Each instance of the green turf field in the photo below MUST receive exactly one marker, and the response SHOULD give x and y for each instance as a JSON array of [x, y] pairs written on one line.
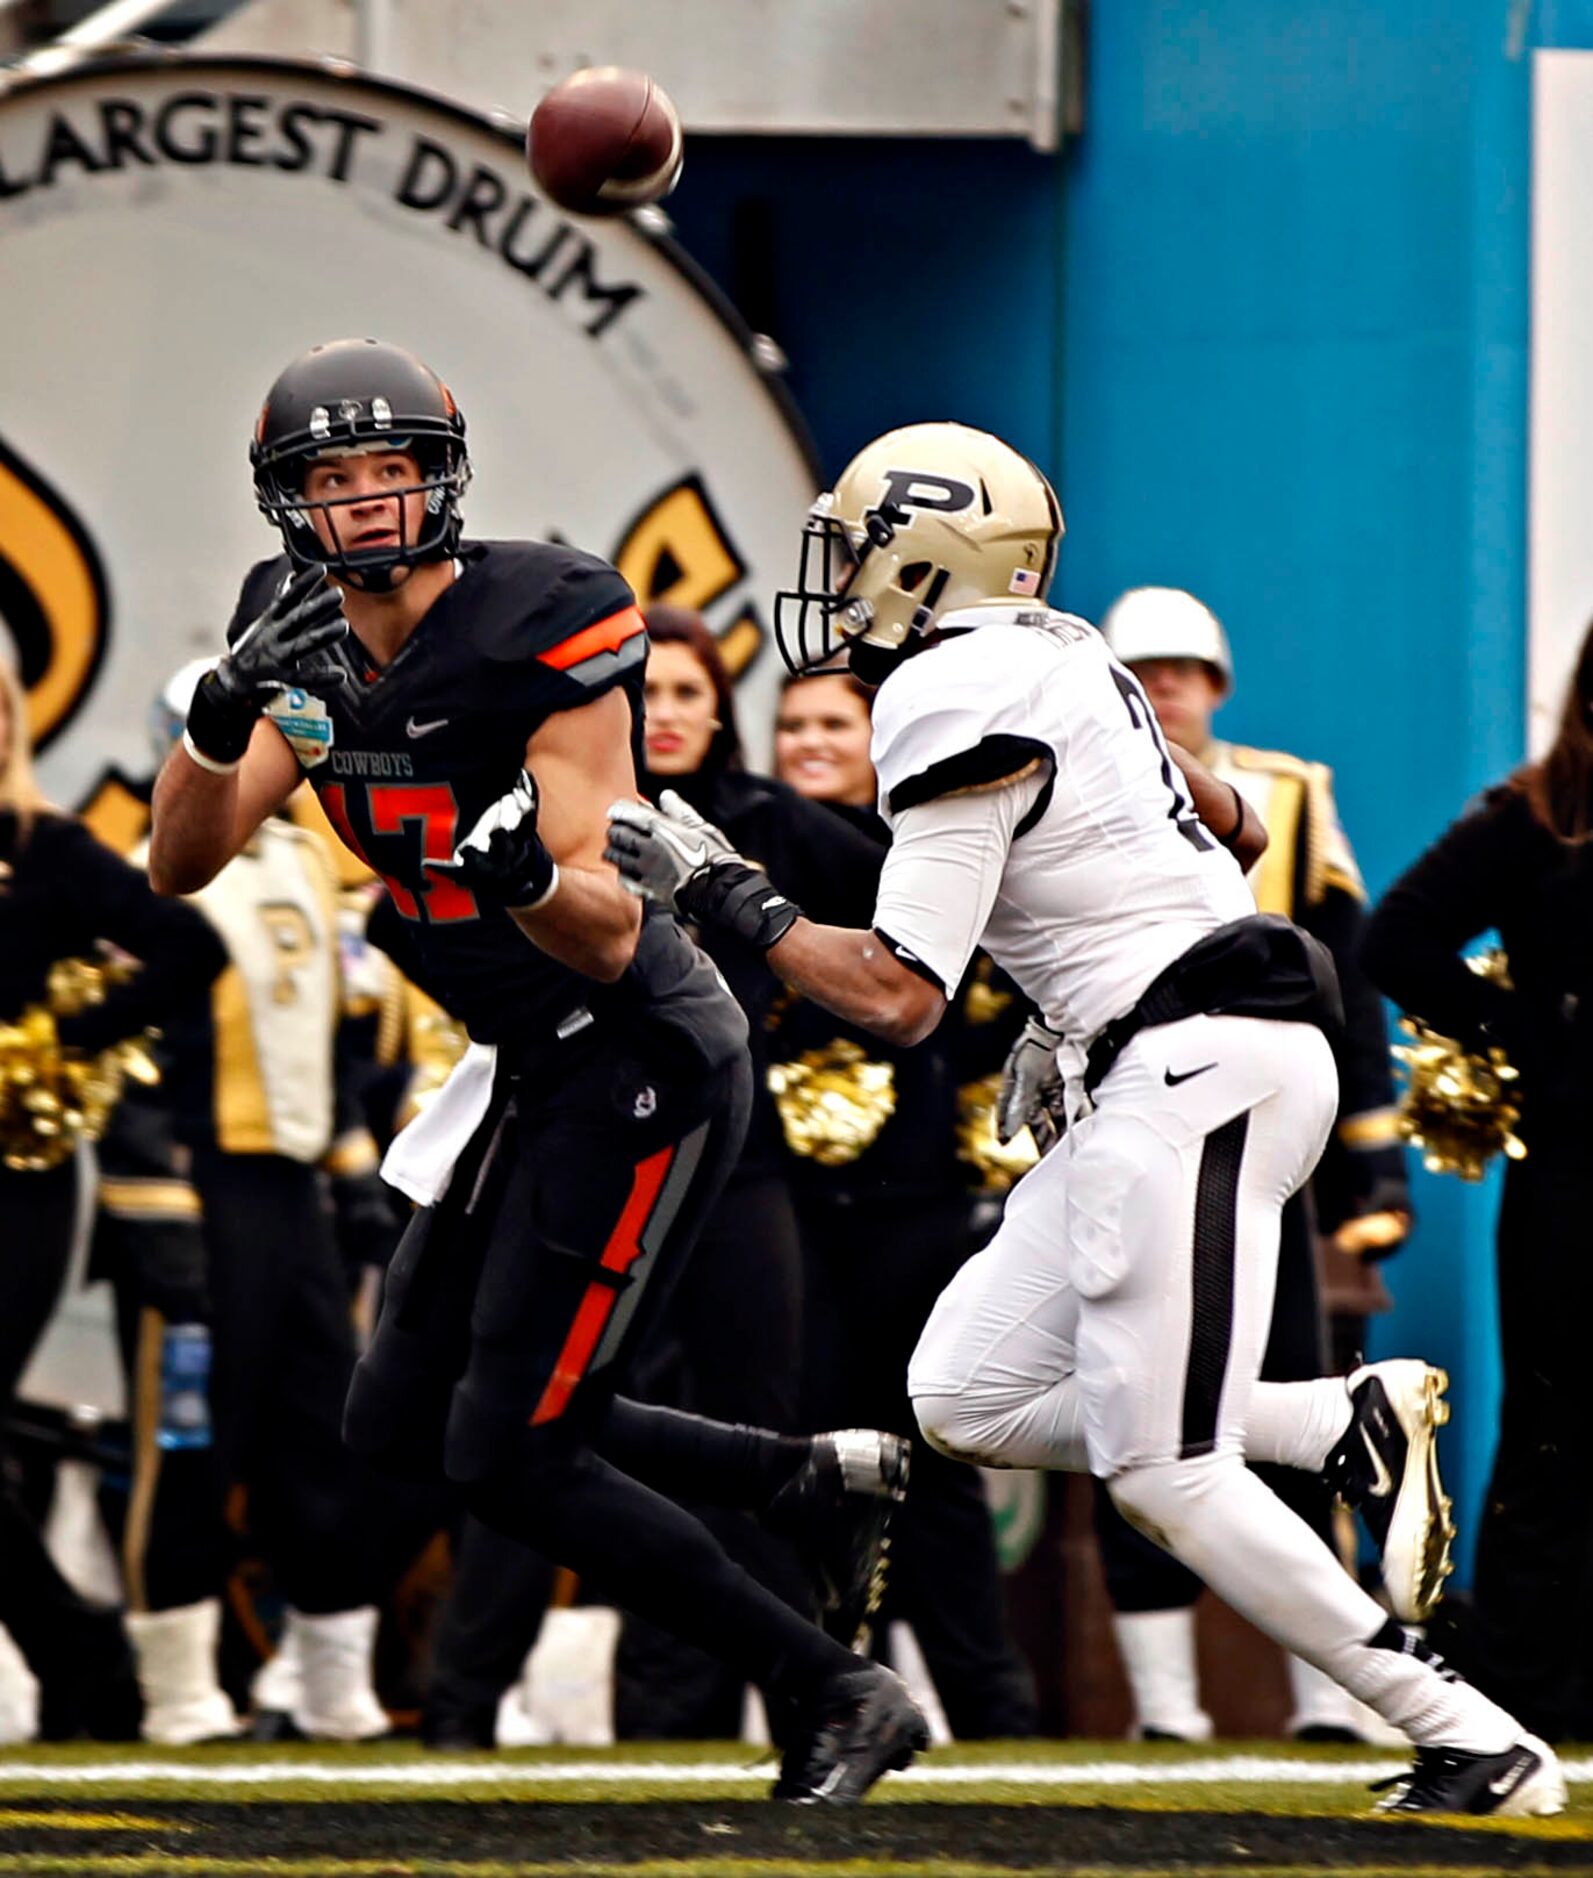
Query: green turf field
[[1091, 1809]]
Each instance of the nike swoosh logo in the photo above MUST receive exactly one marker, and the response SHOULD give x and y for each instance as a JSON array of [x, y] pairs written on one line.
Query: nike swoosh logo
[[1508, 1782], [414, 728], [1173, 1081], [1382, 1479]]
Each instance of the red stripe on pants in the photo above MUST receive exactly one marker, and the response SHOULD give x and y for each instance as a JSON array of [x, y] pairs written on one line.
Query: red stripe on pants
[[624, 1248]]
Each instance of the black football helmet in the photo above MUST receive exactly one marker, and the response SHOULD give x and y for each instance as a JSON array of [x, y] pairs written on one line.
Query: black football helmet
[[339, 399]]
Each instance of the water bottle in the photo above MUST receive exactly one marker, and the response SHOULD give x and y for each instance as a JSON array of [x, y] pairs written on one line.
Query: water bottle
[[184, 1388]]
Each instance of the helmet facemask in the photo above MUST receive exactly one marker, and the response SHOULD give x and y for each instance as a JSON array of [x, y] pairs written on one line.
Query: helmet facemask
[[282, 469], [826, 611], [923, 522]]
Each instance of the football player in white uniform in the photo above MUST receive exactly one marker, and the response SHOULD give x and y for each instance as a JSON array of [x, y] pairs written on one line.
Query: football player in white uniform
[[1117, 1320]]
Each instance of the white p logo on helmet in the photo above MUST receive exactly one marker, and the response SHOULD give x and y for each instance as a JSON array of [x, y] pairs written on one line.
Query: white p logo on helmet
[[925, 521]]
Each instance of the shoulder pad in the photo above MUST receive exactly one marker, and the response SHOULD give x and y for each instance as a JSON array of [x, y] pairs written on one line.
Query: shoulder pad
[[953, 719], [1328, 862], [1273, 762], [569, 612]]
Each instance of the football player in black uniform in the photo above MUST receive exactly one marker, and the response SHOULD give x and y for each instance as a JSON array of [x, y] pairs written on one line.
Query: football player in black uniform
[[466, 711]]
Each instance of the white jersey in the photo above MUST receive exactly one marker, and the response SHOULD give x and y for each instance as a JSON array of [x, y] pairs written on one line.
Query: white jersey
[[1101, 874]]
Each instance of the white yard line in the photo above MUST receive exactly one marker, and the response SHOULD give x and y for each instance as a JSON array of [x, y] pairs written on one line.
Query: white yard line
[[440, 1776]]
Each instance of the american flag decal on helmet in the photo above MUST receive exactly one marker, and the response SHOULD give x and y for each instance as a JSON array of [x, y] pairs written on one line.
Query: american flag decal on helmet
[[1025, 580]]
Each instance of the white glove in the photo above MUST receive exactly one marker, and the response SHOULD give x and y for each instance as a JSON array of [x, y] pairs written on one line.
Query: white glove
[[1031, 1088], [657, 850], [672, 855], [503, 856]]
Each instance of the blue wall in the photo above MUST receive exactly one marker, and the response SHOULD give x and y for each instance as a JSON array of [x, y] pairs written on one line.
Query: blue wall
[[1266, 323], [905, 280], [1295, 382]]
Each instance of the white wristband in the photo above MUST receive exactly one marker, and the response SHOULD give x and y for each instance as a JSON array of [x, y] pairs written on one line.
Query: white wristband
[[546, 894], [209, 762]]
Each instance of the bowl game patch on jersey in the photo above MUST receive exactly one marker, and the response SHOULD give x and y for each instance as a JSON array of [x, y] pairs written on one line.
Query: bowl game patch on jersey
[[306, 723]]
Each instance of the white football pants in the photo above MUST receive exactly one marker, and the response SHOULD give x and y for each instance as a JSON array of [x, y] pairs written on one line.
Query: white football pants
[[1116, 1324]]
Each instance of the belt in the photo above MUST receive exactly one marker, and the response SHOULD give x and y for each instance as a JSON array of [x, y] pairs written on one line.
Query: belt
[[1262, 966]]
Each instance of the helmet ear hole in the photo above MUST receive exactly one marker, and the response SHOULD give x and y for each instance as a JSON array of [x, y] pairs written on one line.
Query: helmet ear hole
[[913, 576]]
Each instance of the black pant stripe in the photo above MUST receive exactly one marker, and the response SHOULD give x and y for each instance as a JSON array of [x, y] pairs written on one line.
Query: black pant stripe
[[1211, 1284]]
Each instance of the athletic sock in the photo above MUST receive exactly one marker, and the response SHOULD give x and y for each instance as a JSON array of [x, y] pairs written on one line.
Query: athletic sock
[[653, 1558], [1264, 1561], [1158, 1653], [1297, 1424], [692, 1458]]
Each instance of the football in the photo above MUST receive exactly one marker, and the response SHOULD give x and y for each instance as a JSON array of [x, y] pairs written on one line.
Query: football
[[603, 141]]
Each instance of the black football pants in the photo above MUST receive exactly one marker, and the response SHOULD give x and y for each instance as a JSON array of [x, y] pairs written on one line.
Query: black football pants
[[1534, 1584], [874, 1270], [515, 1306], [727, 1346], [63, 1638]]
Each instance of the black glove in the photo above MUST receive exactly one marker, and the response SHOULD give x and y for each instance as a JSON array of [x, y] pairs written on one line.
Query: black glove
[[304, 619], [502, 858], [675, 856]]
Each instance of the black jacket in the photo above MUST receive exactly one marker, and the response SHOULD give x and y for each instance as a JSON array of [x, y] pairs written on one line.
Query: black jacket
[[827, 865], [61, 892], [1498, 868], [914, 1155]]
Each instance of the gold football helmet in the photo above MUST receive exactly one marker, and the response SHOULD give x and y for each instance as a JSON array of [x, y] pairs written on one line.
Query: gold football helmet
[[925, 520]]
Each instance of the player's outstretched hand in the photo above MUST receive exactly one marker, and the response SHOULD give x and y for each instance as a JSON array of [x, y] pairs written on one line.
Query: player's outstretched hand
[[657, 850], [304, 619], [675, 856], [1031, 1088], [503, 857], [272, 653]]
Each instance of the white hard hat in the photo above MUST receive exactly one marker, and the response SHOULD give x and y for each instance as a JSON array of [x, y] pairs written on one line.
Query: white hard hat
[[1166, 623], [169, 711]]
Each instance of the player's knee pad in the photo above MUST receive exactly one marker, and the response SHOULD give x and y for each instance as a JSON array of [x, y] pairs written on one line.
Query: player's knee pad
[[1159, 1499], [488, 1440], [519, 1485], [968, 1426]]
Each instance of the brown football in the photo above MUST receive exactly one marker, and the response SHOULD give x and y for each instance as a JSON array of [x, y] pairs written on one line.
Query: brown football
[[604, 141]]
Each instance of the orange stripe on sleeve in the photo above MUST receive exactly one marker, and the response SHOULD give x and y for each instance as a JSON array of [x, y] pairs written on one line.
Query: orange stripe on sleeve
[[592, 1314], [608, 635]]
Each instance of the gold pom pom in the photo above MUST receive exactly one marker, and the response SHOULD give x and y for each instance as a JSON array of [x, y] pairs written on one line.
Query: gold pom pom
[[1457, 1106], [52, 1097], [832, 1101], [997, 1163]]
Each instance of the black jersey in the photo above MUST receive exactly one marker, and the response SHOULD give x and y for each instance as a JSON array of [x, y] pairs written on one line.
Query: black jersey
[[405, 760]]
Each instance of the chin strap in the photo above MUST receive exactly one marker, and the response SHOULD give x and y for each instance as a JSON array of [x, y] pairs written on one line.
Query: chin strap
[[872, 664]]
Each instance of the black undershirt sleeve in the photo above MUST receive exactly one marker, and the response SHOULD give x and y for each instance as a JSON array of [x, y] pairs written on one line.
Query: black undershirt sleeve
[[1411, 949], [995, 759], [178, 950]]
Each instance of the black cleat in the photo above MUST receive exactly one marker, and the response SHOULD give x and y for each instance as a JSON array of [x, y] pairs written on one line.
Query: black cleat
[[1525, 1782], [863, 1724], [836, 1509], [1386, 1467]]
